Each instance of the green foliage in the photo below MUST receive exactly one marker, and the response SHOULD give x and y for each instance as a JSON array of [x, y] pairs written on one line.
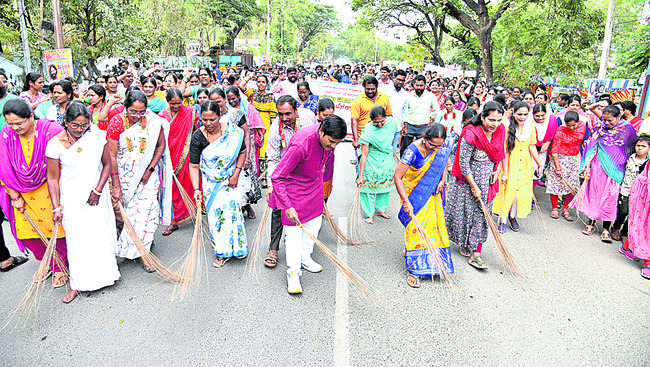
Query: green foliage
[[552, 38], [358, 45]]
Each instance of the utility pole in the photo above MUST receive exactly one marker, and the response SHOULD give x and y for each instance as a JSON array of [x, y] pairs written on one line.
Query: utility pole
[[602, 72], [23, 34], [58, 26], [268, 31]]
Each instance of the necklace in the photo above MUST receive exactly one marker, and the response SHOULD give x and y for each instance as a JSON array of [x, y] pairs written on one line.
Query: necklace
[[281, 128], [70, 141]]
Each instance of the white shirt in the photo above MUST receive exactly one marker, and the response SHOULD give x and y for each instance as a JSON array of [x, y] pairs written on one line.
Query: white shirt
[[398, 104]]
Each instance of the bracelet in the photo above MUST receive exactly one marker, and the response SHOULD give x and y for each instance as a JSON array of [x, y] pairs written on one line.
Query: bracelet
[[114, 174], [97, 193], [16, 198], [58, 209], [195, 190], [238, 168]]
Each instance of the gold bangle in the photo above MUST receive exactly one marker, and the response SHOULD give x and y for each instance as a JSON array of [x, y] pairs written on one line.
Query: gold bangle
[[97, 193]]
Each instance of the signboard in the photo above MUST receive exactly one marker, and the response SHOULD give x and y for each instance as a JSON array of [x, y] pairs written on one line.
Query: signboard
[[58, 64], [342, 95]]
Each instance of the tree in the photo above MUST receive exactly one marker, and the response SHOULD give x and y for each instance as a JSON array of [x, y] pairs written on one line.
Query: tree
[[232, 16]]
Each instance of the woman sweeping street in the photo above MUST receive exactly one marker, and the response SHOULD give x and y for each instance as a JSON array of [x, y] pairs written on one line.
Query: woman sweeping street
[[217, 156], [78, 162], [420, 179], [140, 162], [477, 166], [183, 122], [376, 167], [515, 195], [23, 175], [604, 158]]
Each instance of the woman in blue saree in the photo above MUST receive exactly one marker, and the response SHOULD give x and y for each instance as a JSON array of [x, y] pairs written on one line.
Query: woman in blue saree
[[419, 180], [217, 155]]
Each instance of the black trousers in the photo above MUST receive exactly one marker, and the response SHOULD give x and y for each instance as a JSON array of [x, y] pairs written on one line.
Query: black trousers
[[414, 132], [276, 229], [622, 211], [4, 251]]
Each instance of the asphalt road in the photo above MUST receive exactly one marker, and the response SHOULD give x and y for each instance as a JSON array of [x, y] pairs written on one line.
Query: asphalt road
[[584, 304]]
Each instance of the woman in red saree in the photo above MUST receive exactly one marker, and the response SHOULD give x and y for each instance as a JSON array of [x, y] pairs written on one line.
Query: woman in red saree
[[183, 120]]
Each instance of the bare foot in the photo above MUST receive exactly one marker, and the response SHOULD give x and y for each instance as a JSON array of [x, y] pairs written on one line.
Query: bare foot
[[413, 281], [70, 296], [370, 220]]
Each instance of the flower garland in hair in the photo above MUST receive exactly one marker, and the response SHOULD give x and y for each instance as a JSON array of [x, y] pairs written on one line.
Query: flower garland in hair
[[281, 130]]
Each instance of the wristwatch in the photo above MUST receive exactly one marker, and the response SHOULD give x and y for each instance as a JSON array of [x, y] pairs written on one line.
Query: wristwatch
[[151, 169]]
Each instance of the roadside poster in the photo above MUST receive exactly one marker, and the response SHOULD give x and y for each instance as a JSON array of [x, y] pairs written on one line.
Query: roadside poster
[[58, 64], [340, 93]]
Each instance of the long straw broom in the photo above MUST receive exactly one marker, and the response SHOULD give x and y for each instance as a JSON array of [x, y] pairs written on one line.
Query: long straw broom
[[444, 274], [338, 232], [187, 200], [255, 251], [194, 259], [364, 289], [161, 270], [507, 260], [31, 300], [55, 255], [357, 228]]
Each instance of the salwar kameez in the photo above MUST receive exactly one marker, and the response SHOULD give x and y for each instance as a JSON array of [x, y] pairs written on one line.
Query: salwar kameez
[[265, 105], [379, 168]]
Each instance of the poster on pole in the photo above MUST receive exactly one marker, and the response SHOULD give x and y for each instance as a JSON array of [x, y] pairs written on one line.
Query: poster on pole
[[58, 64], [340, 93]]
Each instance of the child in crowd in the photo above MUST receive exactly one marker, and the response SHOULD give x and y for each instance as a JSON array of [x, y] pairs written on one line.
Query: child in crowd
[[633, 167]]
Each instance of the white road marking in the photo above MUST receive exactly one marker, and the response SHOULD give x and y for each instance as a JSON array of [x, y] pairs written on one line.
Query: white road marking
[[341, 314]]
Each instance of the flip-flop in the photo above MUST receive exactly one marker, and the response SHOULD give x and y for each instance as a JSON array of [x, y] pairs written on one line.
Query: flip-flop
[[477, 262], [466, 254], [62, 284], [415, 284], [169, 230], [148, 268], [271, 259], [72, 299], [387, 216], [223, 259], [18, 261]]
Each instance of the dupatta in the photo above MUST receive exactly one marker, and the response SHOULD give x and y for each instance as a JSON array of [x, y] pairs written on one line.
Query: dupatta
[[14, 171], [180, 134], [613, 147], [422, 183], [495, 149]]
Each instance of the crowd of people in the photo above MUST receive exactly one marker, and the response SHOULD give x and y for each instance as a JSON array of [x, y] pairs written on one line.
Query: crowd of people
[[132, 147]]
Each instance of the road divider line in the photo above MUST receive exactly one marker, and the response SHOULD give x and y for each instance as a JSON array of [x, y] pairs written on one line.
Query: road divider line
[[341, 313]]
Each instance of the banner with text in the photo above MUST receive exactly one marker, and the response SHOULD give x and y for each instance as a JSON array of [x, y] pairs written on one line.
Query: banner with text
[[58, 64], [341, 94]]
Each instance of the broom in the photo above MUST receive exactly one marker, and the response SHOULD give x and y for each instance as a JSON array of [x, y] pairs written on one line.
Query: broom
[[444, 275], [55, 255], [357, 228], [161, 270], [189, 204], [364, 289], [31, 300], [192, 265], [255, 251], [507, 260], [338, 232]]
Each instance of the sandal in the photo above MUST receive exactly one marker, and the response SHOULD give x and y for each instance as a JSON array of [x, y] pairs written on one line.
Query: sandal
[[18, 260], [605, 236], [413, 280], [271, 259], [477, 262], [220, 261], [465, 251], [589, 230], [241, 257], [250, 212], [383, 214], [65, 298], [555, 213], [567, 215], [42, 277], [169, 230], [59, 280], [616, 235], [148, 268]]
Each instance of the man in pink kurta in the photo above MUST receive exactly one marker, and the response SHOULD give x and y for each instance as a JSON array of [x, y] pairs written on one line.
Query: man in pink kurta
[[298, 191]]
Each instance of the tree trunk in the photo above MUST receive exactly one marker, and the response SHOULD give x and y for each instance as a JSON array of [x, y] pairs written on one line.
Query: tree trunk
[[485, 40]]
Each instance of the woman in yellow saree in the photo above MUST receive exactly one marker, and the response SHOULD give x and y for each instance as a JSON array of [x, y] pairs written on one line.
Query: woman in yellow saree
[[419, 180]]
